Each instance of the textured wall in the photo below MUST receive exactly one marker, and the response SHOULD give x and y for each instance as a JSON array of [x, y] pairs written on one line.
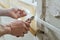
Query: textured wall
[[53, 10]]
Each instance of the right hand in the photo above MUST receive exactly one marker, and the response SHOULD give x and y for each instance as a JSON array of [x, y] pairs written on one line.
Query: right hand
[[19, 28], [16, 13]]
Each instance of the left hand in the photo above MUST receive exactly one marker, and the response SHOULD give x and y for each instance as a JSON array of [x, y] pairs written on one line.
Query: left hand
[[17, 28], [17, 13]]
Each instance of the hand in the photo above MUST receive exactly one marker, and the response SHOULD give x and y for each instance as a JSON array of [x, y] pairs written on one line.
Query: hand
[[19, 28], [16, 13]]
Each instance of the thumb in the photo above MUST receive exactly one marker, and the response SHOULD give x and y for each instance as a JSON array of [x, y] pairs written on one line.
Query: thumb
[[28, 20], [27, 24], [13, 15]]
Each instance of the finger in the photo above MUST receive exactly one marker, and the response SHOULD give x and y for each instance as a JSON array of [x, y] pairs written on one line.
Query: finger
[[18, 15], [19, 10], [26, 27], [17, 36], [22, 35], [22, 12], [27, 24], [28, 20], [14, 10], [24, 30], [14, 15]]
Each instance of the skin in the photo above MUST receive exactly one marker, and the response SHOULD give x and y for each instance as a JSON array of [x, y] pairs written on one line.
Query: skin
[[18, 27]]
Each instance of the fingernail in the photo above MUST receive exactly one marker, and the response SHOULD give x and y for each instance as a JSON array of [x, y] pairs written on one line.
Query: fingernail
[[17, 36], [22, 35]]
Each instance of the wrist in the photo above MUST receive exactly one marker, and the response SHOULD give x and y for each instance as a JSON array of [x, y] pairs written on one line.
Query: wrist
[[4, 30], [7, 29], [4, 12], [7, 12]]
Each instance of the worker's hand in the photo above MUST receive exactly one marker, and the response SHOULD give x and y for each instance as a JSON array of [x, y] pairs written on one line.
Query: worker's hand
[[19, 28], [16, 13]]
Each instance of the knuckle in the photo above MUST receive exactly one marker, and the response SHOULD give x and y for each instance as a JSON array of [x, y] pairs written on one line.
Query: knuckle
[[28, 24], [22, 35], [25, 32]]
